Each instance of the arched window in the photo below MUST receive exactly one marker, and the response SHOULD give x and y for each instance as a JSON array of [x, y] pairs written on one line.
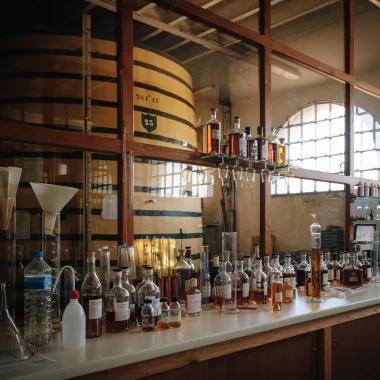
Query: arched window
[[314, 136]]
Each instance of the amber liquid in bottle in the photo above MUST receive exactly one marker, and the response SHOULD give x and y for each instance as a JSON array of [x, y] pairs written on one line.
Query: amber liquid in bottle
[[281, 153], [287, 293], [93, 326], [233, 144], [352, 278], [174, 324], [272, 152], [315, 272], [291, 276], [147, 328], [113, 326], [276, 292], [213, 133], [301, 278], [259, 296], [217, 302]]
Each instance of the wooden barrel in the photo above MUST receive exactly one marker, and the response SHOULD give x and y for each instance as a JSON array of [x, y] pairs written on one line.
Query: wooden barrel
[[42, 84]]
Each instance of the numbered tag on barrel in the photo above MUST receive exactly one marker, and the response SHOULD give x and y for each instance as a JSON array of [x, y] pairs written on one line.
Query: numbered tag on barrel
[[149, 122]]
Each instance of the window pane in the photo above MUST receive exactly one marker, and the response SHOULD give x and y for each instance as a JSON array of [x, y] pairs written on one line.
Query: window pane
[[295, 119], [367, 139], [308, 132], [336, 164], [282, 188], [367, 122], [337, 145], [294, 151], [323, 111], [295, 187], [357, 161], [377, 140], [323, 164], [337, 126], [337, 110], [323, 147], [337, 187], [357, 123], [295, 134], [357, 142], [371, 174], [322, 186], [370, 160], [307, 186], [309, 164], [308, 114], [323, 129], [308, 149]]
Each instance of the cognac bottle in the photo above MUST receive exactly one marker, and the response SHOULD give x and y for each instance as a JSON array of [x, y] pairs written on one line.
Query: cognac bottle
[[237, 140], [214, 133]]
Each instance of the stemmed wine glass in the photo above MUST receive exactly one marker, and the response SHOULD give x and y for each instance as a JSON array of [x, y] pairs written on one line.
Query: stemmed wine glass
[[275, 174], [289, 176], [265, 174], [223, 171], [250, 175], [237, 172]]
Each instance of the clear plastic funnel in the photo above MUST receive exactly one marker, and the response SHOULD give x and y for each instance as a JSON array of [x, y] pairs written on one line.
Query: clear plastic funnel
[[9, 180], [52, 199]]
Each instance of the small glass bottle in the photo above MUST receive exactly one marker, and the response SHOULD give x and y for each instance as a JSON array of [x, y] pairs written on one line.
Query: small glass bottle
[[282, 152], [117, 306], [214, 273], [276, 292], [324, 273], [189, 261], [214, 133], [287, 291], [224, 145], [132, 296], [259, 285], [267, 269], [262, 144], [163, 322], [247, 265], [222, 285], [352, 276], [302, 268], [91, 292], [367, 270], [241, 279], [336, 269], [251, 144], [308, 284], [272, 146], [175, 313], [290, 274], [237, 140], [277, 267], [147, 316], [330, 268], [183, 270], [193, 300]]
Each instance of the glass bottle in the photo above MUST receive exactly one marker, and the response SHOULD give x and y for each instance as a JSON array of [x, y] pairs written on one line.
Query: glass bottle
[[224, 145], [282, 152], [367, 270], [91, 292], [237, 140], [251, 144], [262, 144], [336, 269], [378, 211], [163, 322], [259, 285], [308, 284], [214, 133], [341, 258], [241, 279], [267, 268], [276, 262], [193, 300], [302, 268], [247, 265], [352, 276], [214, 273], [222, 285], [189, 261], [183, 270], [147, 316], [256, 251], [272, 146], [132, 295], [204, 278], [275, 269], [290, 274], [117, 306], [142, 282], [149, 291], [315, 242], [287, 291], [175, 313], [229, 267], [330, 268], [276, 292], [324, 273]]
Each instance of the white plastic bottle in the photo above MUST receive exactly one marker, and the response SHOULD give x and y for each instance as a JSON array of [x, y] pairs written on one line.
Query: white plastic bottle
[[74, 323]]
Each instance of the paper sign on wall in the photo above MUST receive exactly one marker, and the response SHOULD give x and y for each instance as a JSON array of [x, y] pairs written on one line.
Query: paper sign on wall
[[109, 206]]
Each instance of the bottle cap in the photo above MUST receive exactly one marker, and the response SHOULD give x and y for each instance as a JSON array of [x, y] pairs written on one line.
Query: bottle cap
[[163, 299], [194, 283], [38, 255], [147, 301], [174, 299], [287, 280], [148, 267], [213, 109], [124, 268], [282, 140], [188, 247], [248, 130], [117, 270], [74, 294]]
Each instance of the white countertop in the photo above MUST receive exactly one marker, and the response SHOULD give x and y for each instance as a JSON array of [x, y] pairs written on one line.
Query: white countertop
[[115, 350]]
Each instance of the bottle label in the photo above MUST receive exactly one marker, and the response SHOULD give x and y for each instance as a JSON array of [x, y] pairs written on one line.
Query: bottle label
[[243, 147], [187, 285], [265, 288], [288, 293], [264, 150], [37, 283], [278, 297], [253, 151], [165, 317], [246, 290], [337, 274], [224, 291], [175, 318], [293, 282], [216, 134], [121, 311], [331, 274], [206, 290], [325, 279], [95, 309], [132, 306], [353, 279], [194, 303], [369, 272]]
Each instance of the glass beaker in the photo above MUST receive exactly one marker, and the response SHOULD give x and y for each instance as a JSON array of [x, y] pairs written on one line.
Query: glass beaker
[[126, 258]]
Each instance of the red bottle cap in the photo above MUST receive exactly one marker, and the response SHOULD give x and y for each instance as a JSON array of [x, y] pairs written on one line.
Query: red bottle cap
[[74, 294]]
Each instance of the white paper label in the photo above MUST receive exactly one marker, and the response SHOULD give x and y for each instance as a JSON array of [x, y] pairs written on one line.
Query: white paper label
[[265, 288], [95, 309], [224, 291], [325, 279], [369, 272], [264, 150], [187, 285], [293, 282], [121, 311], [331, 274], [246, 290], [194, 303], [243, 147], [309, 289], [337, 274], [353, 279], [175, 318], [277, 297], [216, 134], [289, 293], [206, 290]]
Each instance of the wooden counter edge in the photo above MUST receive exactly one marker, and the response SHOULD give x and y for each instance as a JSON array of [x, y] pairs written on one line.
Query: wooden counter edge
[[181, 359]]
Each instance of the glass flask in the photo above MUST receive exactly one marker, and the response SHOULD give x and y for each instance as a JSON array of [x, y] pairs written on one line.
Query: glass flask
[[105, 269], [91, 299], [175, 313], [241, 280], [223, 288], [147, 316], [302, 268], [163, 322], [183, 271], [276, 292], [132, 296], [258, 285], [289, 273], [352, 276], [287, 291], [117, 306], [214, 273], [149, 291]]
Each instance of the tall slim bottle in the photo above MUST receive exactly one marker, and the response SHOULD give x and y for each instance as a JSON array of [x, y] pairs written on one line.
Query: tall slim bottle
[[237, 140], [251, 144], [91, 293], [183, 271], [281, 152], [315, 236], [262, 144], [214, 133], [272, 146]]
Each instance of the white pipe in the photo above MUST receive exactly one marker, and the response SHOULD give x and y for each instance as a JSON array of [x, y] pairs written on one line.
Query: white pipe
[[72, 277]]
